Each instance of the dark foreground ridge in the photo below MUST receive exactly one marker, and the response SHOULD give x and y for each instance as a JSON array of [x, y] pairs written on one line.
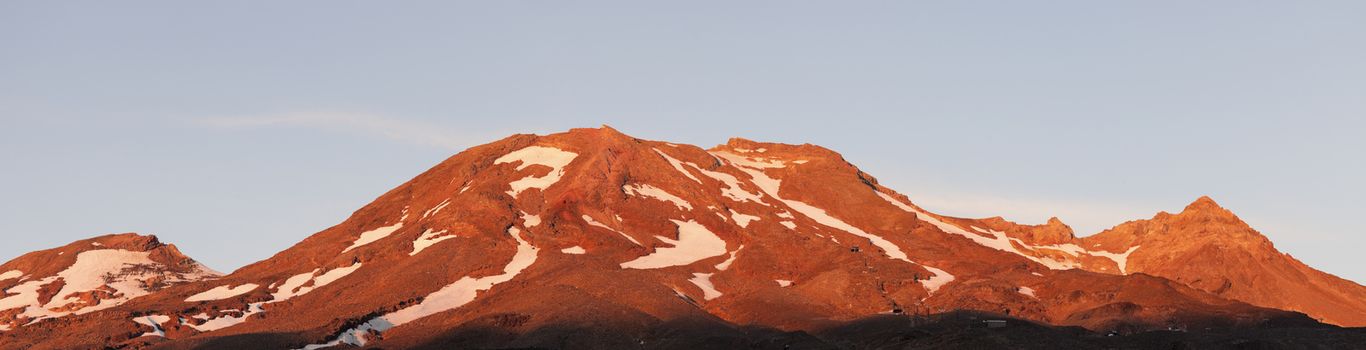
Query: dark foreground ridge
[[953, 330]]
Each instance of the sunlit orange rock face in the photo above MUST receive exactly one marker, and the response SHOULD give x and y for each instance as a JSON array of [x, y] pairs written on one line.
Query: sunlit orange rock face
[[595, 239], [1209, 248]]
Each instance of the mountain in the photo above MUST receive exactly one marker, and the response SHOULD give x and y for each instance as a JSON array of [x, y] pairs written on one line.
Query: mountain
[[595, 239], [1209, 248], [90, 275]]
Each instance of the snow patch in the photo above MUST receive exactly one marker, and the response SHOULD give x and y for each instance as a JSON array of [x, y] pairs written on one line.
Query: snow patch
[[823, 218], [529, 220], [939, 279], [573, 250], [750, 162], [771, 187], [678, 165], [125, 272], [703, 281], [998, 241], [228, 321], [591, 222], [89, 270], [1028, 291], [790, 225], [289, 288], [726, 264], [11, 274], [784, 283], [1069, 248], [25, 295], [294, 286], [222, 292], [1120, 259], [742, 219], [154, 321], [331, 276], [371, 236], [554, 158], [694, 243], [732, 188], [656, 193], [447, 298], [427, 239], [437, 208]]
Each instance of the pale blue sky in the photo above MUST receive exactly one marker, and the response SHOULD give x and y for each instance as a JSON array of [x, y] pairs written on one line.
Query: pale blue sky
[[235, 130]]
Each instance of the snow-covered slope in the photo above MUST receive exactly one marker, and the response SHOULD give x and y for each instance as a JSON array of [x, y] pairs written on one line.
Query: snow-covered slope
[[91, 275]]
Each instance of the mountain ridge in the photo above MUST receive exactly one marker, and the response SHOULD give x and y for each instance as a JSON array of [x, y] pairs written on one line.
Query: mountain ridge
[[592, 229], [90, 275], [1206, 232]]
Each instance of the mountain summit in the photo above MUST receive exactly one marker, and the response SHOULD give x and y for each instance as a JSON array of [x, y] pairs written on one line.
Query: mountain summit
[[90, 275], [1205, 208], [1208, 247], [595, 239]]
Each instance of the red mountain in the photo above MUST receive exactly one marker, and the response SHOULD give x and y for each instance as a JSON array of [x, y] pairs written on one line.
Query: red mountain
[[595, 239], [90, 275], [1207, 247]]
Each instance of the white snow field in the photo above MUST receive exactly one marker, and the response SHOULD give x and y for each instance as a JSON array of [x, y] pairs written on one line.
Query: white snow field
[[694, 243], [551, 157], [222, 292]]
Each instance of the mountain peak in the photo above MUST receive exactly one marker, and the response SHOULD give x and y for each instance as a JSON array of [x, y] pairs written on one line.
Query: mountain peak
[[604, 131], [1204, 202], [740, 142], [1052, 232], [129, 241], [91, 274], [794, 152], [1206, 208], [1054, 221]]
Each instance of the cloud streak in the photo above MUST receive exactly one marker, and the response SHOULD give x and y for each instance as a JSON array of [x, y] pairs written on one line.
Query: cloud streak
[[407, 131]]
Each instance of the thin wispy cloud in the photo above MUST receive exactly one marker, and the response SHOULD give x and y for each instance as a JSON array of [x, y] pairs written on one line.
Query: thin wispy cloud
[[372, 125]]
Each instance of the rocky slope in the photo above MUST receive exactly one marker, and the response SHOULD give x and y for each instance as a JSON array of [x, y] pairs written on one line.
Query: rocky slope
[[90, 275], [1209, 248], [595, 239]]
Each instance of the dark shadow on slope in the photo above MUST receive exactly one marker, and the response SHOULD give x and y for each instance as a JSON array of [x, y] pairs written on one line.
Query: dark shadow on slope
[[954, 330], [236, 341], [960, 330], [679, 334]]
